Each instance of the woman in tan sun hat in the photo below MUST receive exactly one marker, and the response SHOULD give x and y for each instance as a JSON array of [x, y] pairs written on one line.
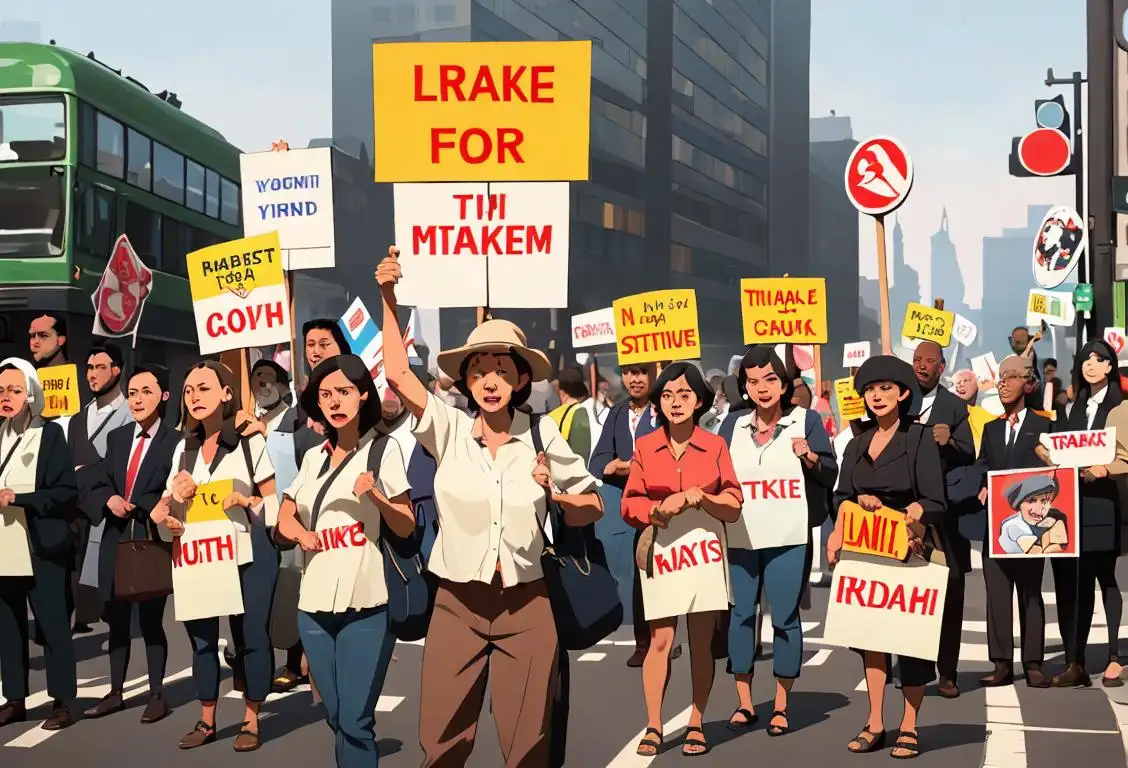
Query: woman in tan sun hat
[[490, 489]]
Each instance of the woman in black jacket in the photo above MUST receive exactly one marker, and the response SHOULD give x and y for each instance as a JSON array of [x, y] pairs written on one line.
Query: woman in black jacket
[[38, 488]]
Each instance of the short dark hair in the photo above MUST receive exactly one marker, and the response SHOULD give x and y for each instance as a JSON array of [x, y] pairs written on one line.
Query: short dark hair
[[1049, 361], [571, 382], [158, 372], [696, 382], [280, 373], [760, 356], [60, 325], [110, 350], [520, 396], [370, 414], [1022, 328], [332, 327]]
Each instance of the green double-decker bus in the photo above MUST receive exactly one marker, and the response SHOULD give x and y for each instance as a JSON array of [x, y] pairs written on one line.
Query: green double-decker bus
[[88, 154]]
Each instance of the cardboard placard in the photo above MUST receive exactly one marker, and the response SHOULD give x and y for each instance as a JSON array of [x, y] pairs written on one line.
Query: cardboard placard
[[365, 338], [15, 547], [690, 567], [784, 310], [1056, 308], [205, 569], [60, 390], [850, 404], [890, 608], [928, 324], [592, 329], [855, 353], [1084, 448], [482, 111], [964, 331], [291, 193], [883, 533], [1033, 513], [239, 294], [656, 326]]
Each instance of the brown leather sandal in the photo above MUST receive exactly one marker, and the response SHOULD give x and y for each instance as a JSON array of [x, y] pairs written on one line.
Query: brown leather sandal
[[199, 736], [247, 740]]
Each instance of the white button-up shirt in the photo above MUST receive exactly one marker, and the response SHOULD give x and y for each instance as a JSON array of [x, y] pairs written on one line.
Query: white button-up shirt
[[490, 510], [1093, 403]]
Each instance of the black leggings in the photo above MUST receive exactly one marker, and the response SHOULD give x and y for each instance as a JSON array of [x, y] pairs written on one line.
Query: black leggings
[[1075, 582]]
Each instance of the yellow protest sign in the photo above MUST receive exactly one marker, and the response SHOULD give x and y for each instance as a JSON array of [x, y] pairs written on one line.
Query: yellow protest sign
[[239, 294], [784, 309], [207, 504], [883, 533], [850, 405], [60, 390], [485, 111], [929, 324], [656, 326]]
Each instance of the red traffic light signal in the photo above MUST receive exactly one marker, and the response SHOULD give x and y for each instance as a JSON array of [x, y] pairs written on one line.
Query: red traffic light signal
[[1044, 152]]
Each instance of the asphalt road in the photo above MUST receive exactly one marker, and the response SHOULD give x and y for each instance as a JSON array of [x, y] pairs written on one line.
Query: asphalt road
[[1011, 727]]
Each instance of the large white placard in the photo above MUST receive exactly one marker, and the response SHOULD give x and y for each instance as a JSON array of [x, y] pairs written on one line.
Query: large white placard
[[205, 572], [891, 608], [228, 321], [455, 239], [15, 547], [1082, 449], [591, 329], [291, 193]]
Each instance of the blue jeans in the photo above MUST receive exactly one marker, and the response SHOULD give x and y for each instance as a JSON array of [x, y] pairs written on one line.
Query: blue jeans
[[348, 657], [781, 572]]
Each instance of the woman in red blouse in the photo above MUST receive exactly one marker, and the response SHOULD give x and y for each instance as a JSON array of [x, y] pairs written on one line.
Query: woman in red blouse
[[681, 490]]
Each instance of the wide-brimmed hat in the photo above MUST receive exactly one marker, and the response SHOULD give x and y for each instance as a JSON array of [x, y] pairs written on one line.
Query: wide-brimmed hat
[[496, 336]]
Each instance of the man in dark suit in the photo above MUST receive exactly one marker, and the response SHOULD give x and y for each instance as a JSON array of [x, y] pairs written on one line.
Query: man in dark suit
[[946, 413], [131, 480], [611, 461], [1010, 443]]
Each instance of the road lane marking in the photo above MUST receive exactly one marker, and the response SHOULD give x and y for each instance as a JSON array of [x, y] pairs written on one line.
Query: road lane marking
[[819, 658], [388, 703], [1120, 712], [629, 758], [272, 696], [593, 657], [1006, 742]]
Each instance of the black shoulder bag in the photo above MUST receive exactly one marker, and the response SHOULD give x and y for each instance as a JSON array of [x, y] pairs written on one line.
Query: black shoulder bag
[[411, 587], [584, 594]]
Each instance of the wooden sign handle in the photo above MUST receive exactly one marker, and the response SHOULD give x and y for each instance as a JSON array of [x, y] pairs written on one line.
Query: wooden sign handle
[[883, 288]]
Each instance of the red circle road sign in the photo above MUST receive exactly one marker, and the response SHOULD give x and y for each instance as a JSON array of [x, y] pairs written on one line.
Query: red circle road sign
[[1044, 152], [879, 175]]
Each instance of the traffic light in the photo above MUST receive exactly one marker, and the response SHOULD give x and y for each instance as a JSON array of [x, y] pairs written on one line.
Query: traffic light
[[1047, 150], [1120, 22]]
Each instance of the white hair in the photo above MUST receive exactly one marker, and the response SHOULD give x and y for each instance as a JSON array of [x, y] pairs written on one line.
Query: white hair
[[31, 381]]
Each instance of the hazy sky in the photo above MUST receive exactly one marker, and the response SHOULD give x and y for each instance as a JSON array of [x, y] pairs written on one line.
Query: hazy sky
[[954, 81]]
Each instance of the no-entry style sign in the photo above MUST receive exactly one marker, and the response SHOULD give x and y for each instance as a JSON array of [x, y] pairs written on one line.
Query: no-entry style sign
[[879, 175]]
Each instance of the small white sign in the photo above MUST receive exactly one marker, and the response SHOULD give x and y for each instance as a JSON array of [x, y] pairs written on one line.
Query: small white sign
[[964, 331], [455, 239], [986, 367], [1117, 340], [1086, 448], [855, 353], [365, 339], [1055, 307], [291, 193], [591, 329]]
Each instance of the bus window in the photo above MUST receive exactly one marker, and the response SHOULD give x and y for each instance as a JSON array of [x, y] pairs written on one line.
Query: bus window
[[94, 209], [111, 146], [229, 202], [211, 203], [168, 173], [31, 212], [32, 129], [86, 142], [144, 230], [139, 160], [194, 186], [172, 247]]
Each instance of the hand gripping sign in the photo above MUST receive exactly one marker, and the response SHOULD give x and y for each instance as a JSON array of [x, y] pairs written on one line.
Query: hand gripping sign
[[883, 532], [205, 566], [239, 294]]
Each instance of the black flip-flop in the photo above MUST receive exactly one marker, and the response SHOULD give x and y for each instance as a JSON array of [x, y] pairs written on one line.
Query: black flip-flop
[[870, 741], [908, 741], [779, 730], [749, 720], [694, 742], [647, 747]]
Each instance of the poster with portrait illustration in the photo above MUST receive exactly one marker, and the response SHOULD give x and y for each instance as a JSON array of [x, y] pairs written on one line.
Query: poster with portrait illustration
[[1058, 246], [1033, 512]]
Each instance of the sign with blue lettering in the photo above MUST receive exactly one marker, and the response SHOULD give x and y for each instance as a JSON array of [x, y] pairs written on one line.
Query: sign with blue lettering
[[291, 193]]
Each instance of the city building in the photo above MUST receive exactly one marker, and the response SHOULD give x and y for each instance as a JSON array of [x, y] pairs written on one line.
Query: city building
[[680, 102], [790, 160], [905, 285], [946, 279], [833, 234]]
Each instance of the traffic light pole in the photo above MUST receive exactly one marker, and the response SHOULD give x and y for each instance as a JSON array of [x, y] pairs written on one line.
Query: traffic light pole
[[1099, 140], [1077, 80]]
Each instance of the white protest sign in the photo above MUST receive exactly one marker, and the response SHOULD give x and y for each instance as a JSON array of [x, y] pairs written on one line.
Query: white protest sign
[[205, 571], [1081, 449], [455, 239], [291, 193], [1056, 308], [890, 608], [985, 367], [15, 547], [964, 331], [591, 329], [362, 333], [855, 353], [689, 567]]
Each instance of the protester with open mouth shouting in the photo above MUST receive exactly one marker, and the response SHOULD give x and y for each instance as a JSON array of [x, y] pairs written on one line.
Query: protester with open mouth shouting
[[681, 492]]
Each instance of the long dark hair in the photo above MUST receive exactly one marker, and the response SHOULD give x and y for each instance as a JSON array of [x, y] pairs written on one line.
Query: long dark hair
[[696, 382], [370, 414], [760, 356], [1082, 389], [194, 429], [332, 327]]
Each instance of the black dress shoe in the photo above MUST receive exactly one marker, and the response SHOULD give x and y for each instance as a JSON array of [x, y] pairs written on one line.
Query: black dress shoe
[[1035, 677], [60, 718], [1074, 676], [155, 710], [106, 706], [12, 712], [1003, 675], [948, 688]]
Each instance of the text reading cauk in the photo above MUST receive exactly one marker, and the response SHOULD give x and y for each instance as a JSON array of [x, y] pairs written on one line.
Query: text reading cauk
[[481, 111]]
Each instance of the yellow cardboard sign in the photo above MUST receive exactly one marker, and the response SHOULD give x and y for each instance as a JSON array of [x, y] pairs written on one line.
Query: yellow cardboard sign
[[60, 390], [207, 504], [236, 267], [657, 326], [883, 533], [929, 324], [850, 405], [784, 309], [486, 111]]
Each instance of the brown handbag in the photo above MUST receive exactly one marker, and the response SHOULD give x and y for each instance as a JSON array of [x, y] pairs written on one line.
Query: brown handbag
[[142, 570]]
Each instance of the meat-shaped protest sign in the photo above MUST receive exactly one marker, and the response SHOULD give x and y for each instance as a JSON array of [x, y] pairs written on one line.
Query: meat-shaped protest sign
[[1081, 449], [890, 608], [121, 293]]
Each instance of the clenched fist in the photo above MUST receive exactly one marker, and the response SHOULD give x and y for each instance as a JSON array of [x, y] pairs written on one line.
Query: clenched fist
[[389, 272], [942, 433]]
